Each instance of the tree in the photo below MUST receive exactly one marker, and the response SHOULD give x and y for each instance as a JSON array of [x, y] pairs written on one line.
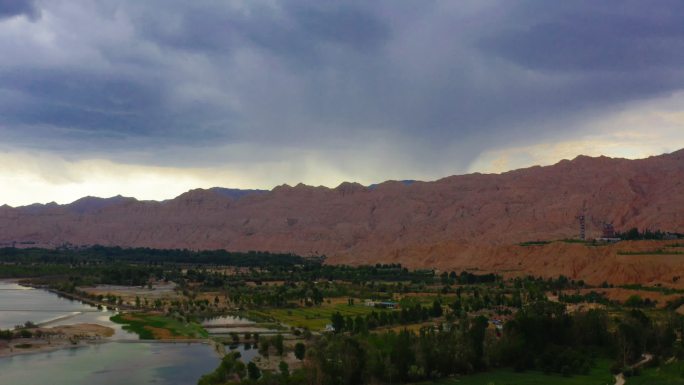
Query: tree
[[230, 364], [476, 333], [278, 344], [337, 322], [360, 326], [7, 335], [284, 369], [300, 350], [240, 369], [634, 301], [253, 372], [456, 306], [317, 296], [436, 309], [264, 345], [349, 324], [444, 278], [340, 359]]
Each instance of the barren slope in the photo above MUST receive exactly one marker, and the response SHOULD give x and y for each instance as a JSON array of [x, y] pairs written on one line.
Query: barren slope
[[469, 221]]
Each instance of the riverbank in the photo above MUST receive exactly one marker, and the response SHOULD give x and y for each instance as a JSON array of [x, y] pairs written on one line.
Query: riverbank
[[46, 339], [38, 347], [88, 300], [14, 347]]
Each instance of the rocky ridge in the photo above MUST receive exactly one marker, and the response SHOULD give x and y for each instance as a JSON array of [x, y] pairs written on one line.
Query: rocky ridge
[[468, 221]]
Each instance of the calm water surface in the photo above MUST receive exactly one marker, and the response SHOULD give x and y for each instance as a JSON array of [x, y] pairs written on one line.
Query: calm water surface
[[227, 320], [234, 324], [19, 304], [112, 363], [247, 351]]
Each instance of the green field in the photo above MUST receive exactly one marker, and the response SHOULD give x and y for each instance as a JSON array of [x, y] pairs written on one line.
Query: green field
[[314, 318], [153, 326], [534, 243], [600, 375], [651, 252], [670, 374]]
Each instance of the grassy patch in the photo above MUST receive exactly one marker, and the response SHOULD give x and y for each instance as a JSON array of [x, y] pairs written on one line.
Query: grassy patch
[[314, 318], [574, 240], [154, 326], [534, 243], [600, 375], [657, 289], [651, 252], [669, 374]]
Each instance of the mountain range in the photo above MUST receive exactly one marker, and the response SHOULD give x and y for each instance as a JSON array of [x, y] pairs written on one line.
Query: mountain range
[[475, 221]]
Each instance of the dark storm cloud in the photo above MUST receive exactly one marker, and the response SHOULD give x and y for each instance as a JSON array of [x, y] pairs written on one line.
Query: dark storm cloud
[[12, 8], [93, 107], [296, 29], [426, 77], [594, 55], [594, 36]]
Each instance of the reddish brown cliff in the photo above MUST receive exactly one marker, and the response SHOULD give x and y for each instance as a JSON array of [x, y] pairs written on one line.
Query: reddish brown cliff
[[461, 221]]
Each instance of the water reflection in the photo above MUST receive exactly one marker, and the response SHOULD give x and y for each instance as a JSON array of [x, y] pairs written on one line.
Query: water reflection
[[19, 304], [112, 363]]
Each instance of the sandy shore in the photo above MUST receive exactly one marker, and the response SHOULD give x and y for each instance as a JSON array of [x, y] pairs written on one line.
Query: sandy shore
[[40, 347], [55, 338]]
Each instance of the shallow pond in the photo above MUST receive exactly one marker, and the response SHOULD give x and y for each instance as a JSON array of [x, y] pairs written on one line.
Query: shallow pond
[[233, 324], [227, 320], [247, 351]]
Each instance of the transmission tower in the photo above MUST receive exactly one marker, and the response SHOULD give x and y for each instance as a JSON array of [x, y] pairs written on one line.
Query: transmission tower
[[582, 218]]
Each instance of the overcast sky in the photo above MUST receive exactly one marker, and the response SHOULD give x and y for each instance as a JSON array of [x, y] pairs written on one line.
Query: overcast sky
[[152, 98]]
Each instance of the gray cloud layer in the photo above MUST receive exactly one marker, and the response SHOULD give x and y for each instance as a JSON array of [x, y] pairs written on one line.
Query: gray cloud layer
[[12, 8], [437, 81]]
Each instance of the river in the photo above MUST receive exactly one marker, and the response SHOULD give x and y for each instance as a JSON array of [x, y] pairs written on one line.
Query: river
[[125, 360], [112, 363]]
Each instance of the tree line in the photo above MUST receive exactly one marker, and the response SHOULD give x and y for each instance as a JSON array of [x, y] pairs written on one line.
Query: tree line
[[542, 336]]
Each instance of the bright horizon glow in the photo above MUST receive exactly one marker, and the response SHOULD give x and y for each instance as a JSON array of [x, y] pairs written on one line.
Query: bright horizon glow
[[34, 182]]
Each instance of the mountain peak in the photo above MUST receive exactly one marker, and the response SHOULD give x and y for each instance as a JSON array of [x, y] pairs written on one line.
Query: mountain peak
[[90, 204]]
